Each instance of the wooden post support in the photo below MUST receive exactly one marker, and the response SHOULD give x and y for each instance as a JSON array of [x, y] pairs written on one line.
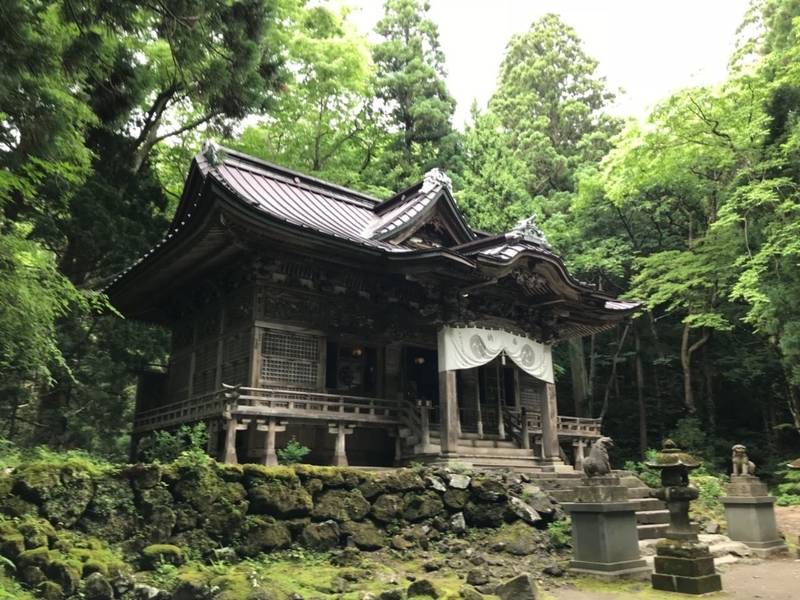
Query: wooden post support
[[478, 404], [550, 425], [340, 430], [212, 441], [448, 413], [271, 427], [524, 431], [579, 453], [425, 422], [501, 427], [232, 425]]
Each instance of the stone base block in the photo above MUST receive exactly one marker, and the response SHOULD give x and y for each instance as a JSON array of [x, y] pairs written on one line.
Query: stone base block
[[751, 520], [684, 567], [767, 549], [632, 569], [687, 585]]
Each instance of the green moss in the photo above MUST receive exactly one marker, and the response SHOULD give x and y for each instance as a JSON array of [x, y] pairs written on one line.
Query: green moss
[[38, 557], [156, 554], [11, 590], [66, 572], [254, 473], [50, 590]]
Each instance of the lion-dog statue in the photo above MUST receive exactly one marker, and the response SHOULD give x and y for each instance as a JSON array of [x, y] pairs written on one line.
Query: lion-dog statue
[[742, 466], [596, 464]]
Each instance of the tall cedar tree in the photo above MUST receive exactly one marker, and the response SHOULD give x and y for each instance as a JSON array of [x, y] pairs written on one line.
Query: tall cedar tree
[[410, 82]]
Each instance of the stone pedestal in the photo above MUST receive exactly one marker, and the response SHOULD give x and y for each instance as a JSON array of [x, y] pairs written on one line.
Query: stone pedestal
[[685, 566], [605, 541], [750, 512]]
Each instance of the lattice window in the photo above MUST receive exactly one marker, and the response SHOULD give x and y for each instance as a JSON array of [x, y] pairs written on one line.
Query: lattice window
[[289, 359], [532, 392]]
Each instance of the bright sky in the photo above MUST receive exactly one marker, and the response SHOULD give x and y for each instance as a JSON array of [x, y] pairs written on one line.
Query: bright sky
[[648, 48]]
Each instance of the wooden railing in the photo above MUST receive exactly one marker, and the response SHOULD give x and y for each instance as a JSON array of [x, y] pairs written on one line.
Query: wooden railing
[[315, 405], [186, 411], [579, 426]]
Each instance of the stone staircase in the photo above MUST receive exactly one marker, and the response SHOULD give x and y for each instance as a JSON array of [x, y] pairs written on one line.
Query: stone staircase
[[484, 453], [652, 517]]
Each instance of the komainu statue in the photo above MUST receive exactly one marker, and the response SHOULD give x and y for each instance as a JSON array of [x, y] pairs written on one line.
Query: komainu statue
[[741, 464], [596, 464]]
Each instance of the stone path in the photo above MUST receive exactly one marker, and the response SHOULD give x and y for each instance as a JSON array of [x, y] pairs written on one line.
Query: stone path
[[777, 579]]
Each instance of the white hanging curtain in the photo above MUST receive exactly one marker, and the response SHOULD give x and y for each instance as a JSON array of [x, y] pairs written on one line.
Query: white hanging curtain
[[470, 347]]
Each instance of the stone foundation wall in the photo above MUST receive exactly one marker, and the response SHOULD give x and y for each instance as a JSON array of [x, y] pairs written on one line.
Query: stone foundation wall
[[150, 513]]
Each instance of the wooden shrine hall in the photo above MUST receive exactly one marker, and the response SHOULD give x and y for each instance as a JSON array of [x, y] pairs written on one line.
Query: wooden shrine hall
[[373, 332]]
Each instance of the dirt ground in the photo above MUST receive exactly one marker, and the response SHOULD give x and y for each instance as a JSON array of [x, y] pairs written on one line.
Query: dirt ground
[[748, 579], [768, 580]]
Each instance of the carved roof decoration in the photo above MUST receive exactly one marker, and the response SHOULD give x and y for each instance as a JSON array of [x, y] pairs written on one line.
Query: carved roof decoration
[[233, 202]]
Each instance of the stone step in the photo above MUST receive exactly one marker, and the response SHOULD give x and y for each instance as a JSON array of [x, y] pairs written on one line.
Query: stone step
[[649, 504], [639, 492], [652, 517], [651, 531], [491, 451], [562, 495], [476, 443], [629, 481]]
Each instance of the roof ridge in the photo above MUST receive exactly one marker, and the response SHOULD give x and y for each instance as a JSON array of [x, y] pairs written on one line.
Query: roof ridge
[[292, 174]]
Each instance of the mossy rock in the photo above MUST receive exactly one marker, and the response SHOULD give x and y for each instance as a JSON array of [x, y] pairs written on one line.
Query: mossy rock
[[263, 534], [97, 587], [487, 489], [364, 535], [224, 519], [371, 488], [320, 536], [156, 554], [485, 515], [6, 485], [422, 588], [37, 532], [69, 500], [50, 590], [403, 480], [313, 486], [186, 517], [387, 507], [190, 586], [15, 506], [420, 506], [35, 482], [97, 557], [144, 476], [11, 545], [37, 557], [197, 541], [455, 499], [341, 505], [31, 575], [66, 573], [158, 524], [253, 475], [231, 473], [111, 514], [280, 499], [519, 539]]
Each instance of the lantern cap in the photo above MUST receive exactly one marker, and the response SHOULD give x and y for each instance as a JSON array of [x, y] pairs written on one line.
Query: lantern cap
[[672, 456]]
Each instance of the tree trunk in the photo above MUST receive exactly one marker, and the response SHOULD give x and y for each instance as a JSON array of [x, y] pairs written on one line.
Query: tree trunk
[[580, 384], [686, 364], [656, 379], [613, 374], [708, 376], [643, 445]]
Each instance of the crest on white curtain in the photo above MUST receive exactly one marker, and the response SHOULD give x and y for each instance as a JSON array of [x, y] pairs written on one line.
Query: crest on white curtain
[[470, 347]]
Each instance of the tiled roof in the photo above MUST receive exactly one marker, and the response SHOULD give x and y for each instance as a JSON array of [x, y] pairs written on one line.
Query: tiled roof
[[315, 205]]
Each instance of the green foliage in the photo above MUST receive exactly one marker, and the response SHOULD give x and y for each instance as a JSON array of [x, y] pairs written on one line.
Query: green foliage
[[649, 477], [186, 443], [410, 82], [294, 452], [788, 491], [560, 533]]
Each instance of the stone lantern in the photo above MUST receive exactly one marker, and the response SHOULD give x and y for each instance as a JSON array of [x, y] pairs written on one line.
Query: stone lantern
[[682, 563]]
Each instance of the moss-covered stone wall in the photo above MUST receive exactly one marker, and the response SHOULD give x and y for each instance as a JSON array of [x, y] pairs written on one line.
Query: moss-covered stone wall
[[66, 526]]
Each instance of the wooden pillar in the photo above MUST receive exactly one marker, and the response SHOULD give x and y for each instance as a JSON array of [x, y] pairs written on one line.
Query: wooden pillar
[[232, 425], [270, 427], [501, 427], [212, 441], [550, 425], [425, 422], [340, 430], [579, 453], [478, 414], [524, 431], [448, 412]]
